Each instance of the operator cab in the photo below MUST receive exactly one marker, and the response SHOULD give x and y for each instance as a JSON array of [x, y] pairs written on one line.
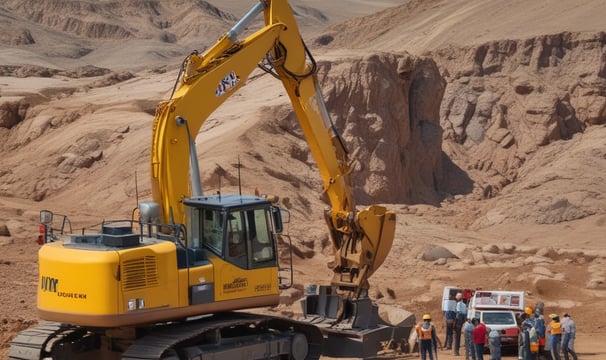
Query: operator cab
[[238, 228]]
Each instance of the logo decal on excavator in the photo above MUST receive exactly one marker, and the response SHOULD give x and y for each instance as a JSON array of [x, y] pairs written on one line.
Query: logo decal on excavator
[[263, 287], [72, 295], [238, 284], [51, 284], [48, 283], [227, 83]]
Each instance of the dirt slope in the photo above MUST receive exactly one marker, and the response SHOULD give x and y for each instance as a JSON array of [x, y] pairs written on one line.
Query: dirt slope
[[423, 25]]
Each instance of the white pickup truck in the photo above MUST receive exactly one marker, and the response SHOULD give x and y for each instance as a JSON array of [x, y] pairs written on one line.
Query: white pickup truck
[[497, 309]]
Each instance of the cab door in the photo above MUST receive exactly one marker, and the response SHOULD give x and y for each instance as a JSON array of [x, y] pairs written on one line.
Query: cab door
[[249, 266]]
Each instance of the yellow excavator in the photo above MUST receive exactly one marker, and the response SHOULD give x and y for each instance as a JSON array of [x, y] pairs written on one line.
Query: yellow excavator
[[171, 281]]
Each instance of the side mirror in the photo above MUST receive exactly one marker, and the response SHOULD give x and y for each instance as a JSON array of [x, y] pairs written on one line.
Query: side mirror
[[46, 217]]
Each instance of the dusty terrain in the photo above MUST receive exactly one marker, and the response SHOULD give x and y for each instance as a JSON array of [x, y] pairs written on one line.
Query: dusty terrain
[[482, 124]]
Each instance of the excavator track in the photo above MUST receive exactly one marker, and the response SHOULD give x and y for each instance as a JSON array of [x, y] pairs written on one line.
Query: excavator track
[[228, 335], [260, 336], [32, 343]]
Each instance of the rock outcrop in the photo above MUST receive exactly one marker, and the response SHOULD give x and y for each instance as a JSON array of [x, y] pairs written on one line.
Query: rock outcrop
[[506, 99], [386, 108]]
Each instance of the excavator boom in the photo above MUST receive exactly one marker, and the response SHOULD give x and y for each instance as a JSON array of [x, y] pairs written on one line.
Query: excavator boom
[[361, 239]]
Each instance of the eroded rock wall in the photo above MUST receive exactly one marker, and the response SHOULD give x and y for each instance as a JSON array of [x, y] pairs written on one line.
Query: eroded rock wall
[[506, 99], [386, 107]]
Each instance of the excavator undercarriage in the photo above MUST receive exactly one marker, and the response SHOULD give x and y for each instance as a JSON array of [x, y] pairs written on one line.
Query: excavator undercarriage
[[222, 336]]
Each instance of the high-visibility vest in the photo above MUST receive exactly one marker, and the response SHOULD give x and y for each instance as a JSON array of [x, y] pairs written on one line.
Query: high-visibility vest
[[425, 332], [556, 328]]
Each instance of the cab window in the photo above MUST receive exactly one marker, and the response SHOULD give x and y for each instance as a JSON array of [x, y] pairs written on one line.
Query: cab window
[[259, 235], [211, 222]]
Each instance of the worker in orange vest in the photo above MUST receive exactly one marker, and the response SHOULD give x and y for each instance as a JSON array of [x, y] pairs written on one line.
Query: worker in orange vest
[[428, 340], [555, 329]]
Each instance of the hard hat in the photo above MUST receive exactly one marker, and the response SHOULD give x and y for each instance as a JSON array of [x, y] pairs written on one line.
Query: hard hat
[[528, 310], [553, 316], [426, 317]]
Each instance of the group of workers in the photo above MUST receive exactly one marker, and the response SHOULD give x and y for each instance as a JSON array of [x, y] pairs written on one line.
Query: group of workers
[[549, 341], [457, 323], [476, 334], [536, 340]]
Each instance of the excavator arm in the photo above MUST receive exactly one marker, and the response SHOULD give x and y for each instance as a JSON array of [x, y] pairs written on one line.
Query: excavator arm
[[361, 238]]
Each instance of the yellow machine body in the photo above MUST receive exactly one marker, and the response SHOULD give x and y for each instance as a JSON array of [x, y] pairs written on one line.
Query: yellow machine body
[[109, 287]]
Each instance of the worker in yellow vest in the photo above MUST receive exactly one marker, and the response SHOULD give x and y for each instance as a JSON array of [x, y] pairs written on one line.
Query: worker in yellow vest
[[555, 339], [426, 333]]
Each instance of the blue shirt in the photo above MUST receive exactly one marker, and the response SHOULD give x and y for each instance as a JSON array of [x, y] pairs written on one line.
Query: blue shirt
[[449, 305], [461, 309]]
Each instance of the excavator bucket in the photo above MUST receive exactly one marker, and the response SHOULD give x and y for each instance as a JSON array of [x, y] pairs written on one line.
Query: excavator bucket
[[379, 225], [360, 252], [356, 327]]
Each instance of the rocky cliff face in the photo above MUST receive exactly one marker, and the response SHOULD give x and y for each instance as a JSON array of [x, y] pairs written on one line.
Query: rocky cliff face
[[386, 106], [506, 99], [499, 103]]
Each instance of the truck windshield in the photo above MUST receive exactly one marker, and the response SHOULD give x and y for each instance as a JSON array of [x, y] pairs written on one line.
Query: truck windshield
[[499, 318]]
